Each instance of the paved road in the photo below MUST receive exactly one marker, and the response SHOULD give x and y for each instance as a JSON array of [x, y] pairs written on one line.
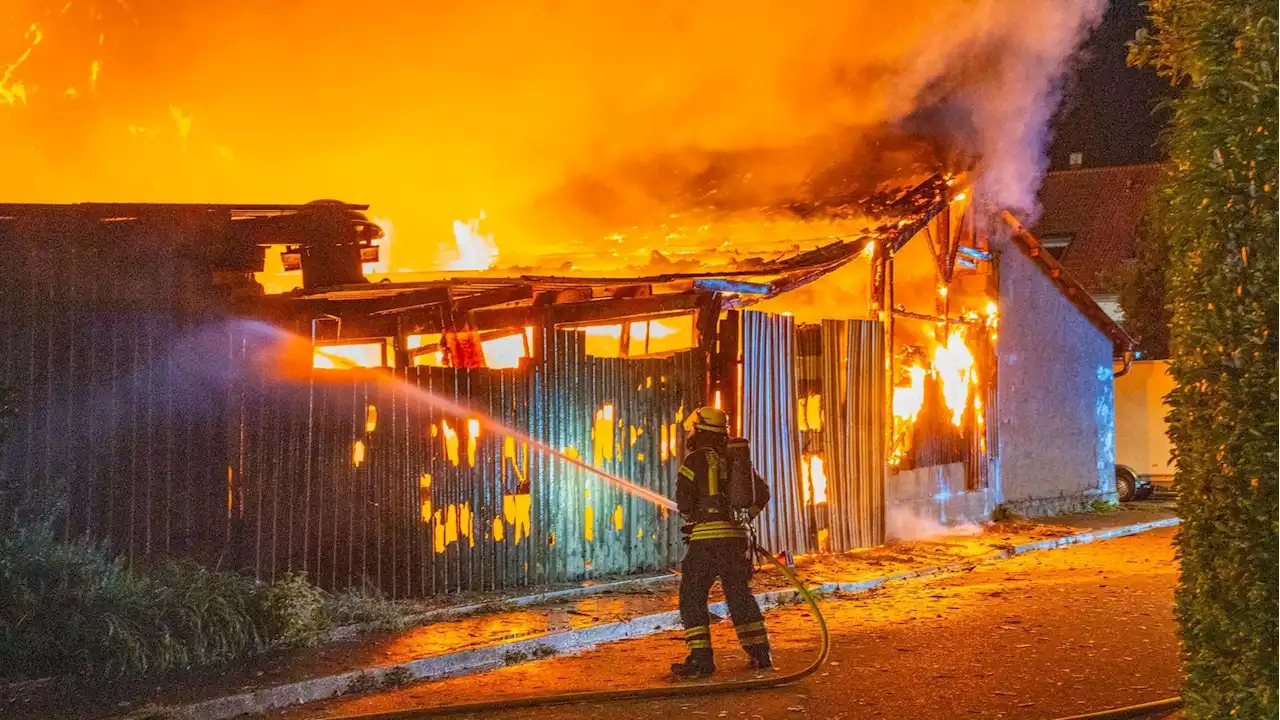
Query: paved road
[[1039, 636]]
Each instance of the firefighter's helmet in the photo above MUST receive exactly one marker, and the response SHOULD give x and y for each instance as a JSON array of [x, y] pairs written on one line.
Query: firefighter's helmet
[[707, 418]]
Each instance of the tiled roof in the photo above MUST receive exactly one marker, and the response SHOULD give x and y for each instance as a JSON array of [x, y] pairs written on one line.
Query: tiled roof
[[1100, 208], [1029, 244]]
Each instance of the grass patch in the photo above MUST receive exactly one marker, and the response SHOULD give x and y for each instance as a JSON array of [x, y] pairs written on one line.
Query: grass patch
[[1103, 506], [367, 607], [76, 608]]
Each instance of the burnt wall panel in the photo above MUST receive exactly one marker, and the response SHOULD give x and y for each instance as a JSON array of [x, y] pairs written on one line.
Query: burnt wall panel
[[853, 383], [435, 480], [769, 401]]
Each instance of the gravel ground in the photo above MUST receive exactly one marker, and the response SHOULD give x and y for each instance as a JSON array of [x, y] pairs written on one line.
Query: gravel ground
[[1037, 636]]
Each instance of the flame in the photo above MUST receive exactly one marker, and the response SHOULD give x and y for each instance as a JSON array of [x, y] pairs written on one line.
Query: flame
[[11, 91], [473, 433], [953, 364], [908, 399], [814, 471], [343, 357], [810, 412], [476, 251], [907, 402], [383, 266], [602, 435], [504, 352], [660, 335], [450, 442], [274, 278]]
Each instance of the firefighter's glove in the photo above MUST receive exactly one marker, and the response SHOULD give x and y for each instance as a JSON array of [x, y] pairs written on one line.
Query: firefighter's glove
[[686, 531]]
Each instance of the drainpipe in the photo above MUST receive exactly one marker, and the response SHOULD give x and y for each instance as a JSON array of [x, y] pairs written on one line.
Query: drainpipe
[[1128, 363]]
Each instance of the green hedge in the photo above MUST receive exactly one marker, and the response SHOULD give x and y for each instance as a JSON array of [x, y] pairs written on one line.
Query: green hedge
[[1219, 215]]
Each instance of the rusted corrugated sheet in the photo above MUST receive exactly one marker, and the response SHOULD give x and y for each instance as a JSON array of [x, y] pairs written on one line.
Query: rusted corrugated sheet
[[418, 500], [853, 384], [769, 422]]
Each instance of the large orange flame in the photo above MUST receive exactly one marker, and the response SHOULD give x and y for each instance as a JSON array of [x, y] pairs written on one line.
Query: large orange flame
[[953, 364]]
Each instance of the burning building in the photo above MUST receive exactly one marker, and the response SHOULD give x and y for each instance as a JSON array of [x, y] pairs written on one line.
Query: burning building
[[248, 386]]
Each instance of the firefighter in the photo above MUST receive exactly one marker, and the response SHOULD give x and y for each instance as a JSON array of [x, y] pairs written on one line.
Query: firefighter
[[716, 535]]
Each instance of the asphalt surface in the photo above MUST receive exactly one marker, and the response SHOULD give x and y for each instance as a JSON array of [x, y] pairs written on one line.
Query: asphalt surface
[[1043, 635]]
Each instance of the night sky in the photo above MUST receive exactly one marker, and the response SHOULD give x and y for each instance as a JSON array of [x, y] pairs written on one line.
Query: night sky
[[1107, 113]]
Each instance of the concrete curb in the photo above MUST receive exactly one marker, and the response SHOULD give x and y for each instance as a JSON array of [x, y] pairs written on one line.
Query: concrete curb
[[570, 641]]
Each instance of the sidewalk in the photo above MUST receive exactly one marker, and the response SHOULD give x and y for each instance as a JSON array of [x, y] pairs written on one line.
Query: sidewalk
[[563, 621]]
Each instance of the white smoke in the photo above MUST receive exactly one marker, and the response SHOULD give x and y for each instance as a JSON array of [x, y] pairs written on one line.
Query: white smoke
[[904, 523]]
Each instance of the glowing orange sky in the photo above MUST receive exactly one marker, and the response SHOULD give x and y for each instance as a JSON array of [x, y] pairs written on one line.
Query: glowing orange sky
[[433, 111]]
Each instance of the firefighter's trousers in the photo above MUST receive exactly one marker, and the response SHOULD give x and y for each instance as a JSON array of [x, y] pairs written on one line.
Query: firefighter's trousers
[[727, 560]]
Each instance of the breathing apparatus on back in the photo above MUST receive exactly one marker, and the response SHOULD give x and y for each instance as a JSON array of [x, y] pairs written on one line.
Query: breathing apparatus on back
[[742, 489]]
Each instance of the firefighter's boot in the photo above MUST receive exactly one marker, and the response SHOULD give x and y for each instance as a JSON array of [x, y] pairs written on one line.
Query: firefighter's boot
[[698, 664], [758, 656]]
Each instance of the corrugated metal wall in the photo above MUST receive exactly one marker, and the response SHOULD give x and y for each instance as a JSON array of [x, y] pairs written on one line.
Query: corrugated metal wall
[[842, 362], [119, 393], [769, 421], [172, 436], [853, 392], [417, 500]]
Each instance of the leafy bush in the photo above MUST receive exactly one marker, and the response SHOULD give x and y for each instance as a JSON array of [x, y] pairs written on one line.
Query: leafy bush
[[293, 611], [1143, 293], [1219, 213], [75, 608], [366, 607]]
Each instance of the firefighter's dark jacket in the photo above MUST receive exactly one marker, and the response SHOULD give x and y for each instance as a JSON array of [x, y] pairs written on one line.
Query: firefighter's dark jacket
[[702, 491]]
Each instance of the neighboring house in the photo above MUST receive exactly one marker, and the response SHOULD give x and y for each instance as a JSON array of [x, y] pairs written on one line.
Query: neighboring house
[[1089, 223]]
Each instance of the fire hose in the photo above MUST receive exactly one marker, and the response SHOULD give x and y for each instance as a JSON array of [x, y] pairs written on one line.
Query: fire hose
[[1145, 710], [650, 693]]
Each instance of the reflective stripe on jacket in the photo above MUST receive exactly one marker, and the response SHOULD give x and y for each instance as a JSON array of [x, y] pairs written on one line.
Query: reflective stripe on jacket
[[701, 495]]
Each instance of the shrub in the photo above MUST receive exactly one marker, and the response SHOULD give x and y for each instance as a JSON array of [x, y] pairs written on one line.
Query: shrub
[[71, 607], [75, 608], [292, 610], [1219, 213], [366, 607]]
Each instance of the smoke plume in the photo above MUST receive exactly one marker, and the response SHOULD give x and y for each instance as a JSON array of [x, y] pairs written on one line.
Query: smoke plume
[[903, 523], [567, 113]]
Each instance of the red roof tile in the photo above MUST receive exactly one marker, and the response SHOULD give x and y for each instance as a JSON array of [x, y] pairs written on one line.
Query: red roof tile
[[1100, 208]]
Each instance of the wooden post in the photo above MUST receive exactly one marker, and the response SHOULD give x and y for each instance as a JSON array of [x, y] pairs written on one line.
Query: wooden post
[[707, 320], [725, 373]]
